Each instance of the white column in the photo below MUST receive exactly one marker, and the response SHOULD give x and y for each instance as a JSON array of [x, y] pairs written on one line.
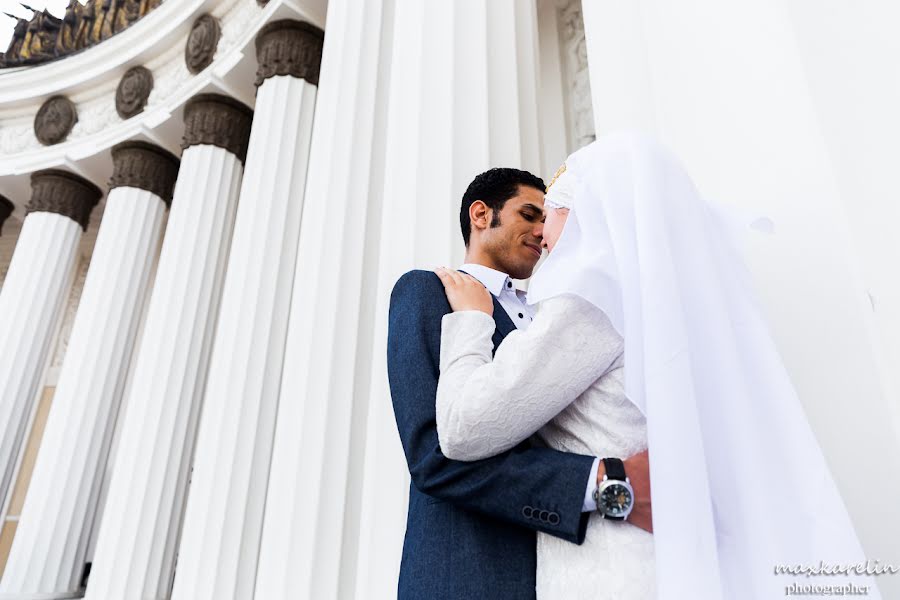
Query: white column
[[135, 549], [462, 99], [47, 558], [223, 519], [301, 549], [30, 302]]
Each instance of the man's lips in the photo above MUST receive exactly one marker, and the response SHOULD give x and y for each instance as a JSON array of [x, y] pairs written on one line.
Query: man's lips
[[534, 248]]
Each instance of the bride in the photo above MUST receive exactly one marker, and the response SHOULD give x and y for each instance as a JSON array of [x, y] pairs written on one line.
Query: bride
[[648, 337]]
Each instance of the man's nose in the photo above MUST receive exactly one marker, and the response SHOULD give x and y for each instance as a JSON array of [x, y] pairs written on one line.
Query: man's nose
[[539, 231]]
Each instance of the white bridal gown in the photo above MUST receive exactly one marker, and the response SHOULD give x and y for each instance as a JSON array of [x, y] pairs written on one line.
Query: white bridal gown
[[564, 378]]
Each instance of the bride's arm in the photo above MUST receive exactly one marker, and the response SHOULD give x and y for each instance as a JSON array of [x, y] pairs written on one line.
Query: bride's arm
[[485, 407]]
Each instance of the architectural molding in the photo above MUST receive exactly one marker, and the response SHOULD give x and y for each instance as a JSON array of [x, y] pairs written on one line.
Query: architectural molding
[[145, 166], [289, 47], [63, 193], [217, 120], [88, 79], [576, 78]]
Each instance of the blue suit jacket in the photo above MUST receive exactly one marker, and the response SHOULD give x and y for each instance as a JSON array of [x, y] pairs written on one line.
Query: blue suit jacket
[[470, 530]]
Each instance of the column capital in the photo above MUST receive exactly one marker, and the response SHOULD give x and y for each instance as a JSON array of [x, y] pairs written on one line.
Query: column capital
[[6, 209], [63, 193], [289, 47], [218, 121], [144, 166]]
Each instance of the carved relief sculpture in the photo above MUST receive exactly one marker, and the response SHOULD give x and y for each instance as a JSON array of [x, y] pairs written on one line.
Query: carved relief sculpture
[[133, 91], [54, 120], [576, 76], [202, 43]]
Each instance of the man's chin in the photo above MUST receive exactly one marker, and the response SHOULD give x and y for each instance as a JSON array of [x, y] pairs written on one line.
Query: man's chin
[[523, 272]]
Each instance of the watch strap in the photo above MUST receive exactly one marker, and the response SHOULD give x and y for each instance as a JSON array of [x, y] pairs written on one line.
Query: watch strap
[[615, 468]]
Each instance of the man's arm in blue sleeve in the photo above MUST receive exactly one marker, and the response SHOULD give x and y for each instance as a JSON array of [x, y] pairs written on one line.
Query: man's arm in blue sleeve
[[504, 486]]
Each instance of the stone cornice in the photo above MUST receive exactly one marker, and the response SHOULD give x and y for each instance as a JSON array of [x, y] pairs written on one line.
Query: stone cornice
[[289, 47], [219, 121], [63, 193], [144, 166]]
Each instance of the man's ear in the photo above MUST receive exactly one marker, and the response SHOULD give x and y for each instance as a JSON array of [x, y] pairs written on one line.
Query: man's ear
[[479, 215]]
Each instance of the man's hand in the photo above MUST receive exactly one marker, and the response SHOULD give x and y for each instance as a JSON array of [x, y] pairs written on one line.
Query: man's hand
[[637, 468]]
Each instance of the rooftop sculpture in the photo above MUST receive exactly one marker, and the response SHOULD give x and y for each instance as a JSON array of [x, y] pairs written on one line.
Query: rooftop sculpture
[[44, 38]]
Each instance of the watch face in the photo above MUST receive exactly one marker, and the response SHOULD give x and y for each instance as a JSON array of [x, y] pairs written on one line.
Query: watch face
[[616, 499]]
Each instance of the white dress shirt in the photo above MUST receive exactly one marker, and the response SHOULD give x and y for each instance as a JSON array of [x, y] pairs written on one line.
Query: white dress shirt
[[513, 301]]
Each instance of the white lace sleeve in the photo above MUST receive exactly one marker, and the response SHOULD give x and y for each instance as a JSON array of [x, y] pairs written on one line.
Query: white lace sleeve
[[486, 407]]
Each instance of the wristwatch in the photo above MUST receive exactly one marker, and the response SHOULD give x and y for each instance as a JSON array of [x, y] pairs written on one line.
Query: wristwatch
[[614, 496]]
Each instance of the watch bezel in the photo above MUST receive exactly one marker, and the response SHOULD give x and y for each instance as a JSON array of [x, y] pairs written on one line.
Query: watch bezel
[[607, 483]]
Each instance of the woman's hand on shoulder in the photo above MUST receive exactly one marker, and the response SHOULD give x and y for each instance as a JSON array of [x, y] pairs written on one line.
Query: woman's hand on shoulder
[[464, 292]]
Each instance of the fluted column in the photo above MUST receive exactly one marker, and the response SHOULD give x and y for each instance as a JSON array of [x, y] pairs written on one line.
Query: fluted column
[[135, 550], [462, 98], [31, 299], [467, 72], [48, 554], [223, 519], [300, 553]]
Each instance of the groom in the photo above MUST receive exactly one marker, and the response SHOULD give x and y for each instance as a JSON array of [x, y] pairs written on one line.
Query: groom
[[470, 529]]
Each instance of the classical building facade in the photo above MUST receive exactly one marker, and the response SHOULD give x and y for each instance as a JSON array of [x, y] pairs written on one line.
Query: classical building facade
[[205, 204]]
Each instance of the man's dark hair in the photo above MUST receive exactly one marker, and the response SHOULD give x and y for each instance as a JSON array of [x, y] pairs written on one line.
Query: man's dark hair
[[494, 187]]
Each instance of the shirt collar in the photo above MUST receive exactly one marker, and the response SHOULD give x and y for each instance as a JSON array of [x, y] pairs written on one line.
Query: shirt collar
[[492, 279]]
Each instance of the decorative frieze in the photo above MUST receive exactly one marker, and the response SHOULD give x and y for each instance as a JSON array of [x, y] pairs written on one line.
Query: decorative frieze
[[201, 43], [144, 166], [133, 91], [97, 114], [289, 47], [219, 121], [576, 76], [54, 120], [63, 193]]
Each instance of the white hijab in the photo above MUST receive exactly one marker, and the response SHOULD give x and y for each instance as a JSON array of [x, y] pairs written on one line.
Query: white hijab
[[739, 482]]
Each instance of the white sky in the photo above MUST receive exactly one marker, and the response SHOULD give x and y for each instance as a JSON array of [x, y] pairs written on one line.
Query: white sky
[[56, 7]]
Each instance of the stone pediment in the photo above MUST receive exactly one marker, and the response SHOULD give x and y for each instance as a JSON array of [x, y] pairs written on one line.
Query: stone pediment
[[45, 38]]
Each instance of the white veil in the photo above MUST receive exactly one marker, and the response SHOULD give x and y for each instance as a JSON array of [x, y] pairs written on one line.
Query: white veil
[[739, 482]]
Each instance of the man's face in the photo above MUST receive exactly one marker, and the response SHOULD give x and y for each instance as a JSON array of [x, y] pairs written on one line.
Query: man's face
[[515, 244]]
